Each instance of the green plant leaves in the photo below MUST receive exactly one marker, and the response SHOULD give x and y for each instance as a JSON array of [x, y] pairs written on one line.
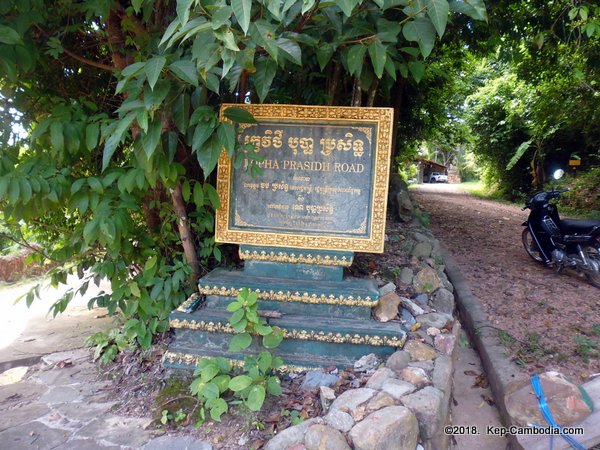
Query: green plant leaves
[[265, 74], [186, 70], [240, 383], [153, 68], [274, 339], [242, 11], [356, 58], [239, 115], [240, 342], [438, 10], [422, 31], [9, 36], [347, 6], [377, 52], [256, 398]]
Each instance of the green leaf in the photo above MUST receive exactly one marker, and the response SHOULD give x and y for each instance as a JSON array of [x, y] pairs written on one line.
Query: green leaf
[[417, 69], [213, 196], [221, 16], [92, 131], [256, 398], [202, 133], [239, 115], [422, 31], [378, 54], [210, 390], [198, 195], [356, 59], [237, 316], [169, 32], [183, 10], [186, 70], [137, 5], [227, 137], [273, 340], [115, 139], [57, 137], [135, 289], [234, 306], [132, 69], [265, 36], [228, 39], [472, 8], [264, 361], [209, 372], [438, 10], [151, 139], [208, 156], [240, 383], [346, 6], [25, 190], [153, 68], [266, 69], [242, 11], [324, 54], [9, 36], [96, 185], [291, 49], [518, 154], [273, 386], [240, 342], [217, 407]]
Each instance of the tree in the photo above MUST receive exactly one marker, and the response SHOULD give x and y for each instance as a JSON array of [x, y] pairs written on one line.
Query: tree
[[119, 100]]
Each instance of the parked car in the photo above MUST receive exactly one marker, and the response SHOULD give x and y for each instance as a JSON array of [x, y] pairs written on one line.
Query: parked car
[[437, 177]]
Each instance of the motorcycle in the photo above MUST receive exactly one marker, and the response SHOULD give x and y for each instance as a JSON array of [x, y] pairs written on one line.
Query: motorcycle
[[562, 243]]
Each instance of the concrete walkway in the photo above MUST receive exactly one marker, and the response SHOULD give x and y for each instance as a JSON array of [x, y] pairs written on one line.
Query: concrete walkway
[[60, 402]]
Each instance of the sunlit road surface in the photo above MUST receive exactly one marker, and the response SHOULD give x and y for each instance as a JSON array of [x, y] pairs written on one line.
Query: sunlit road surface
[[27, 333]]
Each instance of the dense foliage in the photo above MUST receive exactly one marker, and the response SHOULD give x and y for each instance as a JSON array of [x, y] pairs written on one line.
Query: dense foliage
[[110, 129]]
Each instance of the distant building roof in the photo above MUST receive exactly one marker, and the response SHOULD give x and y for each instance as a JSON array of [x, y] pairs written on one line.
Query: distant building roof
[[431, 162]]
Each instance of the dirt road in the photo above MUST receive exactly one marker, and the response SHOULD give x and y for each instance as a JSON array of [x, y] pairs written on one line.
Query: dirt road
[[547, 321]]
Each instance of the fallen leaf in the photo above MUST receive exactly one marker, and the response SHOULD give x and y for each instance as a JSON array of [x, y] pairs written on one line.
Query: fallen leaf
[[471, 373], [64, 363], [481, 381]]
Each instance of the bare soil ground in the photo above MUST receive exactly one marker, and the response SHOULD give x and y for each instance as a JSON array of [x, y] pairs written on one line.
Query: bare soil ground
[[547, 321]]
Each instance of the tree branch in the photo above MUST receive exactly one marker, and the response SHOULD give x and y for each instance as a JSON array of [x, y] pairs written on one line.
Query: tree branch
[[89, 62]]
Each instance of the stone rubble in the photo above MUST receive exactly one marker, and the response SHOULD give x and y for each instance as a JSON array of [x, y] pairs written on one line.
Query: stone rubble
[[404, 403]]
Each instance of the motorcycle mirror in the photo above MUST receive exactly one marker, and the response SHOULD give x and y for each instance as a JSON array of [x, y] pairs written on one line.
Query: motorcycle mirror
[[558, 174]]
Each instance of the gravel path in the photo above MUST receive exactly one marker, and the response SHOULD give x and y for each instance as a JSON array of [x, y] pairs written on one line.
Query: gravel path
[[547, 321]]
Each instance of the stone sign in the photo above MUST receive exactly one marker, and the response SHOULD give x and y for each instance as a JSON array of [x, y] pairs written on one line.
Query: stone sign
[[323, 183]]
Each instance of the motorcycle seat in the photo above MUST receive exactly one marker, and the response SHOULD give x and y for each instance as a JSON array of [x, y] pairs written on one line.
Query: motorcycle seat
[[574, 226]]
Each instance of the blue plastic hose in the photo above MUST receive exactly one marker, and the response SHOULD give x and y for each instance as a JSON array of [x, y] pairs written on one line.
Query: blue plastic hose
[[539, 393]]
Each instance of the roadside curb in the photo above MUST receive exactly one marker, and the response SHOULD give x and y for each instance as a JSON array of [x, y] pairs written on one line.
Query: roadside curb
[[499, 369]]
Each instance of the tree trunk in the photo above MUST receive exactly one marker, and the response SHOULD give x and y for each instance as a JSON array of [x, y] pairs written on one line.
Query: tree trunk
[[334, 84], [372, 93], [397, 95], [356, 93], [187, 239]]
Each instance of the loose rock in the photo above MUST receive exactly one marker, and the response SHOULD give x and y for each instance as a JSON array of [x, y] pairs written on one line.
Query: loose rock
[[339, 420], [437, 320], [419, 351], [443, 301], [427, 280], [390, 287], [422, 250], [564, 399], [326, 395], [421, 299], [387, 307], [322, 437], [427, 406], [292, 435], [391, 428], [367, 362], [398, 361], [407, 318], [414, 309], [381, 400], [397, 388], [352, 402], [415, 376], [379, 377], [445, 343], [316, 378], [406, 276]]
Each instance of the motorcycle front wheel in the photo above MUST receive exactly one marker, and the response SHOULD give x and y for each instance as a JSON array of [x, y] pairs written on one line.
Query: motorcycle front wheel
[[593, 276], [530, 246]]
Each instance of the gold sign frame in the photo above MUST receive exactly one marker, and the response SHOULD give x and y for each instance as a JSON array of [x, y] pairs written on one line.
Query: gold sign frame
[[374, 243]]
